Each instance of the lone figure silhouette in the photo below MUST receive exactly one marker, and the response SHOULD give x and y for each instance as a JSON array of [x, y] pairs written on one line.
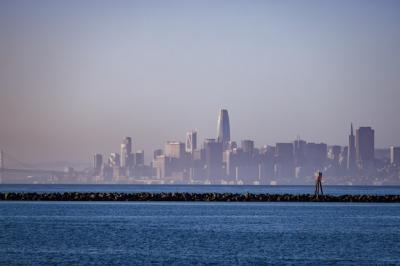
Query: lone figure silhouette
[[318, 185]]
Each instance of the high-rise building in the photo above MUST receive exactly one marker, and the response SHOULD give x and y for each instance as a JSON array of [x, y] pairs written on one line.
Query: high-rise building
[[97, 163], [223, 127], [157, 152], [284, 160], [344, 156], [365, 144], [139, 158], [114, 160], [213, 159], [232, 161], [107, 172], [175, 149], [316, 156], [334, 153], [164, 166], [126, 150], [191, 141], [247, 146], [267, 162], [299, 149], [284, 151], [351, 152], [232, 145], [395, 155]]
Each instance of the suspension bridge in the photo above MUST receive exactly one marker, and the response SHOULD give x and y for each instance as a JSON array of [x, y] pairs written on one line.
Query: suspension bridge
[[13, 169]]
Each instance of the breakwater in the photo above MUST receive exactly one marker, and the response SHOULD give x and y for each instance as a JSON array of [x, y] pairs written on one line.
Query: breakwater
[[221, 197]]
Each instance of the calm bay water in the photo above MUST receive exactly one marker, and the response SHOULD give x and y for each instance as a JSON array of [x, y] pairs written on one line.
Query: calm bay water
[[142, 233], [101, 233], [333, 190]]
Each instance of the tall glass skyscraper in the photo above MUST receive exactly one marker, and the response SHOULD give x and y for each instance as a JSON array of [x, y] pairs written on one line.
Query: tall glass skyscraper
[[223, 128], [126, 150]]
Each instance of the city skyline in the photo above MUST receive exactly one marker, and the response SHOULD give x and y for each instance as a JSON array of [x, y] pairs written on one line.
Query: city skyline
[[76, 77], [222, 160], [221, 132], [223, 125]]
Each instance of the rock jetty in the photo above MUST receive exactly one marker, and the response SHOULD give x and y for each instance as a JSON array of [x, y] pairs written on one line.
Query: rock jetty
[[221, 197]]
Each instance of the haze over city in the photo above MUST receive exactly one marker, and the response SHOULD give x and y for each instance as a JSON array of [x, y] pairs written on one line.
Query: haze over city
[[199, 132], [75, 78]]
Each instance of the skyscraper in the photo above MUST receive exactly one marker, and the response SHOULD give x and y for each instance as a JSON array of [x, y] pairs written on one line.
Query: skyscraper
[[191, 141], [247, 146], [139, 158], [223, 128], [175, 149], [351, 152], [213, 159], [97, 163], [114, 160], [334, 153], [157, 152], [284, 160], [126, 150], [299, 151], [365, 144], [316, 156]]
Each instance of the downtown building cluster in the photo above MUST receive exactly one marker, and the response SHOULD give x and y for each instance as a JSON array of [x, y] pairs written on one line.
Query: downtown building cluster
[[223, 161]]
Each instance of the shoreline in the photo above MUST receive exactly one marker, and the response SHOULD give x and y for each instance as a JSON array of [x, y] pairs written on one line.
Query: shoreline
[[192, 197]]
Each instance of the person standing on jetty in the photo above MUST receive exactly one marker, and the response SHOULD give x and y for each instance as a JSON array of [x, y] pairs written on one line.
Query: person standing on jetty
[[318, 185]]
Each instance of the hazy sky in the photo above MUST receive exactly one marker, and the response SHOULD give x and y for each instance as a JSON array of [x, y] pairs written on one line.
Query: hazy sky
[[78, 76]]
